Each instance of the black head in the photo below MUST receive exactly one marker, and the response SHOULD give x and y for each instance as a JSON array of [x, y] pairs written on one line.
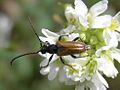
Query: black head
[[44, 48], [49, 48]]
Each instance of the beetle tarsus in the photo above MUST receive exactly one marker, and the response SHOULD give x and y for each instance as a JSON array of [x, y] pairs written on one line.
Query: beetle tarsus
[[73, 56], [62, 36]]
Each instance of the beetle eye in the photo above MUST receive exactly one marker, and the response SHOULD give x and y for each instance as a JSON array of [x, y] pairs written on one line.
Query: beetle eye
[[47, 43], [43, 50]]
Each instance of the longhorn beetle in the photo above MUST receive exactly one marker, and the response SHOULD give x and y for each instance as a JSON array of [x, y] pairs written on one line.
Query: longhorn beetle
[[61, 48]]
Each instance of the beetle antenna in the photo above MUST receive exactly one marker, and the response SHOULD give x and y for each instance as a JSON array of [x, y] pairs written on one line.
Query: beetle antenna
[[26, 54], [32, 26]]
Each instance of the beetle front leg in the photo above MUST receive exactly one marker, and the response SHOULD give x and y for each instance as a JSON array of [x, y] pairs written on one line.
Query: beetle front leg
[[47, 63]]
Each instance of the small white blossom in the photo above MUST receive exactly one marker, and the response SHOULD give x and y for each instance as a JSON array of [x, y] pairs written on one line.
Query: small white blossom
[[77, 74], [115, 26], [91, 18], [108, 53], [97, 83]]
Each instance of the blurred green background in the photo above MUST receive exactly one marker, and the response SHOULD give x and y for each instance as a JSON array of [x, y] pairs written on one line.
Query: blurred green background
[[16, 37]]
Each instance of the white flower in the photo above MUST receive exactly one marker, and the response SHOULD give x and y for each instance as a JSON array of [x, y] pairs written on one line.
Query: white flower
[[83, 77], [115, 26], [97, 83], [91, 18], [108, 53], [78, 74], [106, 65], [102, 32]]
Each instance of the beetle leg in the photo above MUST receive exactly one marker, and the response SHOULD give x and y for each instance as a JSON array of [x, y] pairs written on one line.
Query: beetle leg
[[73, 56], [48, 62], [60, 37], [75, 39], [66, 63]]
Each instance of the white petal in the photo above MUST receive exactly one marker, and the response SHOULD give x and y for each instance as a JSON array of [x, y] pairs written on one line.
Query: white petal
[[45, 61], [113, 42], [116, 55], [92, 86], [49, 34], [70, 13], [44, 39], [99, 8], [79, 87], [99, 51], [118, 34], [101, 21], [80, 61], [45, 71], [53, 72], [73, 36], [107, 36], [101, 79], [117, 17], [62, 76], [55, 57], [43, 55], [110, 37], [80, 8], [68, 30], [81, 11], [83, 21], [106, 65], [47, 55]]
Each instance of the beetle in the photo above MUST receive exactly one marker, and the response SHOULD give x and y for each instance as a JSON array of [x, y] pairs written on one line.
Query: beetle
[[61, 48]]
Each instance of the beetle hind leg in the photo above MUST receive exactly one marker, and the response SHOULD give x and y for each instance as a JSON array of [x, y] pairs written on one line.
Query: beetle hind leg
[[61, 59], [73, 56]]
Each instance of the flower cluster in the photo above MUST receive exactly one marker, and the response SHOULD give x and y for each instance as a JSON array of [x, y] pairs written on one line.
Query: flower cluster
[[101, 32]]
